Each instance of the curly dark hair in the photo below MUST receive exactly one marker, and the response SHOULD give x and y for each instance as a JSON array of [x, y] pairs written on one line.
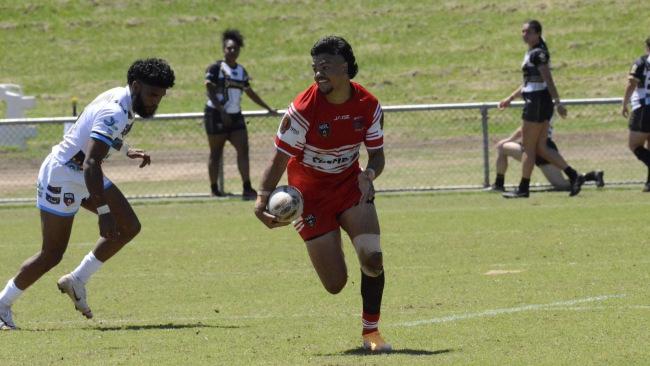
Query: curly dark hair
[[152, 71], [647, 42], [334, 45], [233, 35]]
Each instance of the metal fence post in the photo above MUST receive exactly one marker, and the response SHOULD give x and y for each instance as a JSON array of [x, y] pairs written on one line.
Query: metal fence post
[[486, 146]]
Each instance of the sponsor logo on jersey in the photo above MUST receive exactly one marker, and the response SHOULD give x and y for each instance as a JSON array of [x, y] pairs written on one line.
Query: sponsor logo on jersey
[[285, 124], [55, 190], [357, 123], [68, 198], [110, 121], [310, 220], [52, 200], [324, 129], [339, 160], [124, 109], [345, 116]]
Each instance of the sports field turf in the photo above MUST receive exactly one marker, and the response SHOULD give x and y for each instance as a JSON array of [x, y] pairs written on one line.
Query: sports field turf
[[205, 283], [409, 51]]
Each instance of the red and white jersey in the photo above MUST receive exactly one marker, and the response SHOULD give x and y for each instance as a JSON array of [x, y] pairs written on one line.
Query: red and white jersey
[[323, 139]]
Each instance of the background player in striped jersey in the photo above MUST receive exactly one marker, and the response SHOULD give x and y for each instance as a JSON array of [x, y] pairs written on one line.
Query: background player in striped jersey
[[72, 177], [638, 90], [511, 147], [225, 80], [318, 144], [540, 96]]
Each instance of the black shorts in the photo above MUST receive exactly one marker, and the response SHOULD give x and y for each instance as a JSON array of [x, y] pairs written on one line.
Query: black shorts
[[538, 106], [214, 125], [640, 119], [540, 160]]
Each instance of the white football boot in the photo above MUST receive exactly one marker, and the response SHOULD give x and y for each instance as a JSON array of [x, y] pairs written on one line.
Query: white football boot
[[6, 318], [76, 289]]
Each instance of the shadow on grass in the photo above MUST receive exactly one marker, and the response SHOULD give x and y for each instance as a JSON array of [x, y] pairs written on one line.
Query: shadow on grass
[[168, 326], [403, 351]]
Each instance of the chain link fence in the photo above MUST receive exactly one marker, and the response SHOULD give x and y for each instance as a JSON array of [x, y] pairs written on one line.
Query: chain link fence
[[428, 147]]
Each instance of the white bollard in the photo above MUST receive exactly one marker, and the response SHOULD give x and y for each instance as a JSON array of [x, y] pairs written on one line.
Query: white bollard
[[17, 103]]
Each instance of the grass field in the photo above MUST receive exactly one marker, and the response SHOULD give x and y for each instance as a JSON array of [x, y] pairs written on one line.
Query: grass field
[[409, 51], [205, 283]]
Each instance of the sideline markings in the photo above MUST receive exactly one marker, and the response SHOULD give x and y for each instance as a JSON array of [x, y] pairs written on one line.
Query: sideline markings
[[495, 312]]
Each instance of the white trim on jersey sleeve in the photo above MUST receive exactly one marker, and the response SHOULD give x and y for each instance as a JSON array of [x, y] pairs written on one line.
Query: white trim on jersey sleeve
[[294, 135], [375, 131]]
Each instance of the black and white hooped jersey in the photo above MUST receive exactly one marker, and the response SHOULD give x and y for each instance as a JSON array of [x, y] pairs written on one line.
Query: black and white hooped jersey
[[231, 82], [534, 58], [108, 119], [641, 72]]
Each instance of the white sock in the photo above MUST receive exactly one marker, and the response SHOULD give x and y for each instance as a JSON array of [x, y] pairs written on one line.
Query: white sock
[[10, 293], [88, 266]]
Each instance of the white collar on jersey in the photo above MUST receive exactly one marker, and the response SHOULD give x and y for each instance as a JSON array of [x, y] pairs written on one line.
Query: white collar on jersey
[[129, 102]]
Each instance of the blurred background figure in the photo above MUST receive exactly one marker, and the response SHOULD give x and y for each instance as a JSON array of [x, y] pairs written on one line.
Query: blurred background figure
[[225, 80]]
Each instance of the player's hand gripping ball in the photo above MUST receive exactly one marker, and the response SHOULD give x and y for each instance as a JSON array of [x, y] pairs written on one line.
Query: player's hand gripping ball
[[286, 203]]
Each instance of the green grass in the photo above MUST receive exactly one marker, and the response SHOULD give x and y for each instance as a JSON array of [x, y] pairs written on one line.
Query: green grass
[[205, 283], [408, 52]]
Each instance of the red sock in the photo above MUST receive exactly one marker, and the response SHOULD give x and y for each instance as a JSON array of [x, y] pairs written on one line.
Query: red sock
[[370, 323]]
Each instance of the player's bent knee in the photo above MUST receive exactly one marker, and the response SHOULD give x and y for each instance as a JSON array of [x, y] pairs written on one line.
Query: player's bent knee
[[50, 259], [369, 253], [334, 287], [131, 230], [373, 265]]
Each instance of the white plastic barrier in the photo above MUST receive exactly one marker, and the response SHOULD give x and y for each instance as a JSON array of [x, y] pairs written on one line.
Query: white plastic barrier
[[16, 104]]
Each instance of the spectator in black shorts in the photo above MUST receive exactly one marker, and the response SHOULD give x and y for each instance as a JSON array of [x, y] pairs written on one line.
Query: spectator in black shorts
[[540, 96], [225, 80], [511, 148], [638, 92]]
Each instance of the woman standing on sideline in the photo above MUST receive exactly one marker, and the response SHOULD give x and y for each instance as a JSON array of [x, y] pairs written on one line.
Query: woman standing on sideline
[[637, 91], [225, 80], [540, 96]]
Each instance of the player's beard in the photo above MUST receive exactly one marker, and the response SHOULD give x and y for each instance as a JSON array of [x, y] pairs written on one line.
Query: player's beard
[[141, 109]]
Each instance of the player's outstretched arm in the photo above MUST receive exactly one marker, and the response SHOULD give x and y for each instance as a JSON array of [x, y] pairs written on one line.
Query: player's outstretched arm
[[270, 179], [258, 100], [94, 178], [506, 102]]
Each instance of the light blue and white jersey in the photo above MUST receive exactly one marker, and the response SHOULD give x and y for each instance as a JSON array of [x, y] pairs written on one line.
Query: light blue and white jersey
[[107, 119]]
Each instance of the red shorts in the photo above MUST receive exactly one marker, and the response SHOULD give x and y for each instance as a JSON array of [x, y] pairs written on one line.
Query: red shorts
[[323, 204]]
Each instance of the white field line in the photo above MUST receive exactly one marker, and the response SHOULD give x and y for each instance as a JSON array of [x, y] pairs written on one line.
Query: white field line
[[495, 312], [556, 306]]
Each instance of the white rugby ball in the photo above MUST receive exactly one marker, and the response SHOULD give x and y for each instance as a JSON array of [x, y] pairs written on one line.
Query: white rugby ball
[[286, 203]]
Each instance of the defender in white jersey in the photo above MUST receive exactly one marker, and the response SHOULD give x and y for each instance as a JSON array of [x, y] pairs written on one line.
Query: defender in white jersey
[[71, 177]]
